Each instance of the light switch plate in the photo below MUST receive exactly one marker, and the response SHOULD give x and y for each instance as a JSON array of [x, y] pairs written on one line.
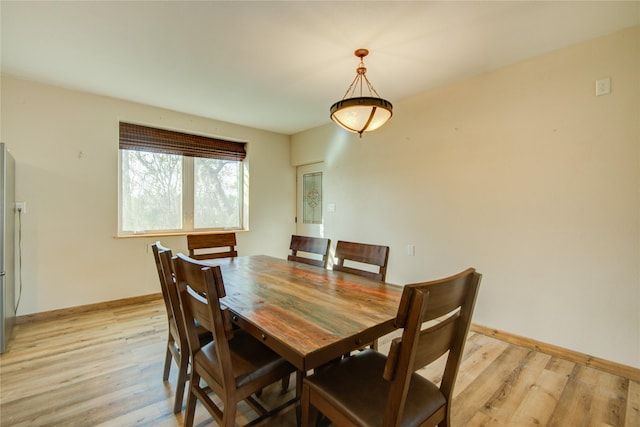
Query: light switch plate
[[603, 86]]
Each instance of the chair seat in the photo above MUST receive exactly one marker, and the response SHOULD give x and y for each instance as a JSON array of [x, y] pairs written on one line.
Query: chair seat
[[250, 358], [355, 386]]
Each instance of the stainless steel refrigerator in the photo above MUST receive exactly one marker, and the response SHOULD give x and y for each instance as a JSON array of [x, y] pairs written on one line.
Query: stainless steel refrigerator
[[7, 252]]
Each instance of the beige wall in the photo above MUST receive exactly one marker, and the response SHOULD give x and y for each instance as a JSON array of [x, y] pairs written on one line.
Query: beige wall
[[70, 256], [522, 173]]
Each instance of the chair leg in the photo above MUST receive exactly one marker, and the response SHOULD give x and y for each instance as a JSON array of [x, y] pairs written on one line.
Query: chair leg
[[167, 362], [309, 413], [229, 416], [190, 412], [183, 367], [285, 383]]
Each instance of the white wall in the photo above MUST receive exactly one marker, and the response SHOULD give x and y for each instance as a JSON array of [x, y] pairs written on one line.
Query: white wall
[[70, 255], [522, 173]]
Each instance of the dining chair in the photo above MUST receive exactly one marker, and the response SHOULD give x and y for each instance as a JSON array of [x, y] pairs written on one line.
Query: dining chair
[[362, 253], [370, 389], [212, 245], [235, 365], [177, 346], [309, 245]]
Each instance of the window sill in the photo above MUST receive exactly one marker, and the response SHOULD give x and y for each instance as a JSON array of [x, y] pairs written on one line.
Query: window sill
[[179, 233]]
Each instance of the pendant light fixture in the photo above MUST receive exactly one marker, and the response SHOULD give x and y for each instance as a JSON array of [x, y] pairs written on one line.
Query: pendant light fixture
[[358, 113]]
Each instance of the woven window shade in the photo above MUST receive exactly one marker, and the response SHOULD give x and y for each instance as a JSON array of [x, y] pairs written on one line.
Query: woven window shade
[[144, 138]]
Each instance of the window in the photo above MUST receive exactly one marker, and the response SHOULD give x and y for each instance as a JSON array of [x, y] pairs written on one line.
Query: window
[[312, 190], [175, 182]]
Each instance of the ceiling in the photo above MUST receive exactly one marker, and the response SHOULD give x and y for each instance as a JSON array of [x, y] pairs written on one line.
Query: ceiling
[[279, 65]]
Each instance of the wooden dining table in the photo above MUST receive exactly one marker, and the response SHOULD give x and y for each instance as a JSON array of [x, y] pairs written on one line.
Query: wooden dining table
[[308, 315]]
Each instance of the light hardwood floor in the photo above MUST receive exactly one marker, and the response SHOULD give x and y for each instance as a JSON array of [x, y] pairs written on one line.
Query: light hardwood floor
[[105, 368]]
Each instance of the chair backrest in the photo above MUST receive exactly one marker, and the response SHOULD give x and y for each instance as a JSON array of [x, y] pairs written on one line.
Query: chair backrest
[[375, 255], [207, 246], [200, 289], [164, 263], [311, 245], [157, 250], [450, 303]]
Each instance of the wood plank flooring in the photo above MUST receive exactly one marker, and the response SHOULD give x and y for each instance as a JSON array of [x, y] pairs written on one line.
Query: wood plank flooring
[[105, 368]]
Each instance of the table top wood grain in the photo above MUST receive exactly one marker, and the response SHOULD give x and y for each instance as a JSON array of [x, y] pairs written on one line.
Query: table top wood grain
[[307, 314]]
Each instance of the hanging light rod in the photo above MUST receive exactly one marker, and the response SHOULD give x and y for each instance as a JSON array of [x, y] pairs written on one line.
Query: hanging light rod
[[361, 113]]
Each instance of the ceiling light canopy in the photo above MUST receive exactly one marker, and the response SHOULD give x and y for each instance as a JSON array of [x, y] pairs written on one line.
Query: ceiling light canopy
[[361, 113]]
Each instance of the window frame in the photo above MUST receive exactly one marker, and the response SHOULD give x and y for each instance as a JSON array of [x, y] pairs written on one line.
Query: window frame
[[188, 146]]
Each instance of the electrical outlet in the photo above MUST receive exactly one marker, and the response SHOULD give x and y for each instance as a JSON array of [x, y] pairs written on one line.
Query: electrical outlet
[[21, 207]]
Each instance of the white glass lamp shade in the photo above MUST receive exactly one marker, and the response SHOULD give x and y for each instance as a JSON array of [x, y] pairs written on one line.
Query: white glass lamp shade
[[362, 114]]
